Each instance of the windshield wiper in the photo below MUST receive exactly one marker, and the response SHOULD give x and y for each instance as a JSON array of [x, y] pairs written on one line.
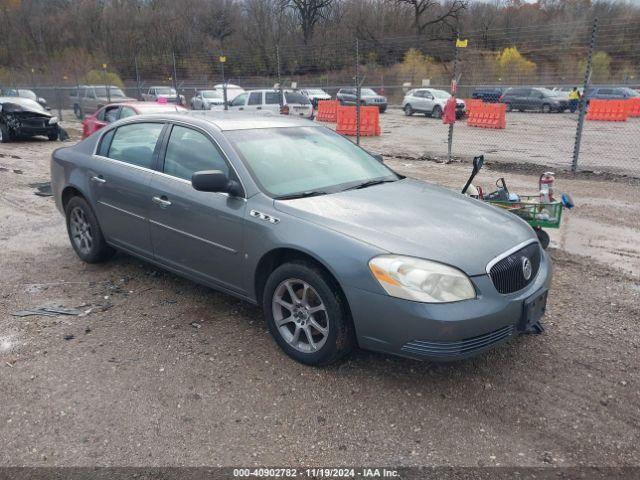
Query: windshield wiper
[[310, 193], [369, 183]]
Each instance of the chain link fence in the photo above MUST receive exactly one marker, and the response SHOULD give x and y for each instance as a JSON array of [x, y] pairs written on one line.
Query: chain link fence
[[534, 57]]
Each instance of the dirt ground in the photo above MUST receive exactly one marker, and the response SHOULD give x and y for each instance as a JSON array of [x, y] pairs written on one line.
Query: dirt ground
[[160, 371]]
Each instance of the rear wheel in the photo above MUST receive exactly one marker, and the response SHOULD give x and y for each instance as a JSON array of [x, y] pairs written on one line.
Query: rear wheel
[[546, 108], [85, 233], [436, 112], [306, 314], [408, 111]]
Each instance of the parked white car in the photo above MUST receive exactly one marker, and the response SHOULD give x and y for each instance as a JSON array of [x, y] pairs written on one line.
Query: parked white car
[[207, 99], [232, 90], [293, 102], [429, 101], [315, 95]]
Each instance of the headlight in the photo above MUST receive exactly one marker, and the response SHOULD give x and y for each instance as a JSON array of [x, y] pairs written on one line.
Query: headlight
[[421, 280], [53, 120]]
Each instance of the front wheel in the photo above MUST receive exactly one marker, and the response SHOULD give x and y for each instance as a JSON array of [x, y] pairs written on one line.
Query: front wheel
[[85, 233], [546, 108], [543, 237], [509, 107], [408, 111], [436, 112], [307, 315], [53, 136]]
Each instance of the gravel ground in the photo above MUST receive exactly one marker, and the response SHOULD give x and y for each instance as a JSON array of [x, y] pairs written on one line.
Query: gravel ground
[[160, 371]]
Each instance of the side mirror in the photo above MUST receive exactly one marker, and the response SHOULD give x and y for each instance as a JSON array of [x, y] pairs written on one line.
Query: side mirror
[[378, 157], [215, 181]]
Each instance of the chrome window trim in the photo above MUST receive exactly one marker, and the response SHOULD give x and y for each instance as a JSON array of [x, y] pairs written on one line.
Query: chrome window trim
[[157, 172], [504, 255]]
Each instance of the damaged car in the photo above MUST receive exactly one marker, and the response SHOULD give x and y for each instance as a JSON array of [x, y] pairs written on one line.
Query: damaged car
[[24, 118]]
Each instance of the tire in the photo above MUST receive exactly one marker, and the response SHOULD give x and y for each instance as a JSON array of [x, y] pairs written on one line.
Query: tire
[[5, 136], [80, 222], [546, 108], [298, 334], [53, 136], [77, 112], [408, 111], [509, 107], [382, 109], [436, 112], [543, 237]]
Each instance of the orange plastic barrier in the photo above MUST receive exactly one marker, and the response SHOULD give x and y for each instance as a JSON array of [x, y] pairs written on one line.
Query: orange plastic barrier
[[472, 104], [633, 105], [488, 115], [327, 110], [608, 110], [369, 121]]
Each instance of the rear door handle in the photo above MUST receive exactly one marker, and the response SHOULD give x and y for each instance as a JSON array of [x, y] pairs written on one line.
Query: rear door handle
[[163, 201], [98, 179]]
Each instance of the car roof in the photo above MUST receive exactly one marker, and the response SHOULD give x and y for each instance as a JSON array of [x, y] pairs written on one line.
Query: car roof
[[231, 120]]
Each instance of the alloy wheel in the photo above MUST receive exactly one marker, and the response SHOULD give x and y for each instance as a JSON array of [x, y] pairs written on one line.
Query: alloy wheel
[[81, 232], [300, 315]]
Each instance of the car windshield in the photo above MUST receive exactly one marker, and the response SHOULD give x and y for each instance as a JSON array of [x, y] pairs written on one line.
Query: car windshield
[[299, 160], [316, 91], [296, 97], [22, 93], [165, 91], [113, 92], [548, 93], [631, 92], [211, 94], [367, 91], [440, 94]]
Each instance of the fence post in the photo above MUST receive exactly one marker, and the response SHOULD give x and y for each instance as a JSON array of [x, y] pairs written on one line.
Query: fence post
[[223, 59], [454, 88], [135, 59], [280, 91], [58, 101], [357, 92], [175, 73], [583, 100]]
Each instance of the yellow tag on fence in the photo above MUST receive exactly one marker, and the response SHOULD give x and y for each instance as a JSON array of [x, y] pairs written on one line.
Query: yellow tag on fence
[[462, 43]]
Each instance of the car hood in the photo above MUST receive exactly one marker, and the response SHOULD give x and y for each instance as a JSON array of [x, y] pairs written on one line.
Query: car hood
[[118, 99], [415, 218], [16, 105]]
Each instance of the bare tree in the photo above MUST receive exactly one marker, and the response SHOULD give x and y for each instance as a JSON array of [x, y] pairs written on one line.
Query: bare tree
[[431, 13], [309, 13]]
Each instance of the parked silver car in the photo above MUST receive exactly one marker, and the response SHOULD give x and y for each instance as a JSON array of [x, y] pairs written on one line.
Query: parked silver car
[[287, 102], [207, 99], [430, 101], [337, 248], [88, 99], [168, 93]]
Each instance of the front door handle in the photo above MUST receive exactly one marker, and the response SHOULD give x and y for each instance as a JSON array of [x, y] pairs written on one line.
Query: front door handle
[[163, 201], [259, 108], [98, 179]]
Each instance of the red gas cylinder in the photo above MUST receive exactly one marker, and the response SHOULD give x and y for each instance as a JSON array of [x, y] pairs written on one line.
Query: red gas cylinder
[[449, 114]]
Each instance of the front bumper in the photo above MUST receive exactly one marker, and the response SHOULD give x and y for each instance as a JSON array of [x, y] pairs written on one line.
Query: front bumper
[[441, 332]]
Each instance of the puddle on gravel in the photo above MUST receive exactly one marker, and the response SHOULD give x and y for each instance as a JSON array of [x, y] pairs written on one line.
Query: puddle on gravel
[[615, 246]]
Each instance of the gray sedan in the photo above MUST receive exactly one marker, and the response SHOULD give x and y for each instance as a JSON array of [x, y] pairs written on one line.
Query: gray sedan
[[337, 249]]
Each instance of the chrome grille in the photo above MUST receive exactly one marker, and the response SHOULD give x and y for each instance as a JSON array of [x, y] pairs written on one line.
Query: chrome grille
[[458, 348], [507, 275]]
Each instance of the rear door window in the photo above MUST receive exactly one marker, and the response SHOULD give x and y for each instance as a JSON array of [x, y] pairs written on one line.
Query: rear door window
[[271, 98], [135, 143], [190, 151], [255, 98]]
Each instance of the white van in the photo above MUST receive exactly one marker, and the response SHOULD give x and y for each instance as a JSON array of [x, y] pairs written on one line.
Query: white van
[[293, 102]]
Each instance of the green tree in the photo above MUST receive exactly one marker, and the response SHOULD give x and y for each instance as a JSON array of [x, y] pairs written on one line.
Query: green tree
[[416, 65], [600, 67], [99, 77], [512, 66]]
